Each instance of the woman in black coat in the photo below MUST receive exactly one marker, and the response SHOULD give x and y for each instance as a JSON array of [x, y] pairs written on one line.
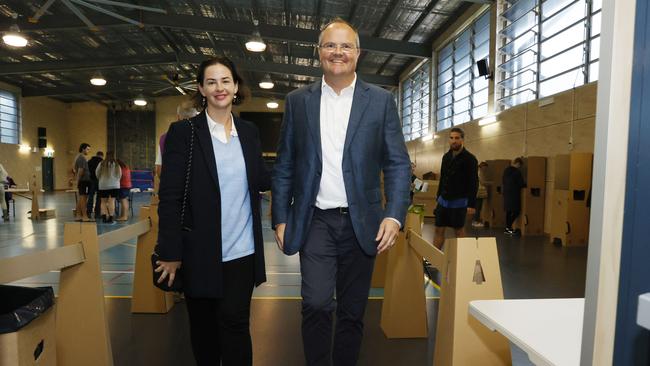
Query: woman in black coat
[[218, 242], [513, 182]]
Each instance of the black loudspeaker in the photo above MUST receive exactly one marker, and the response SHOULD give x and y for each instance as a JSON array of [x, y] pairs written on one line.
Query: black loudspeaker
[[42, 137], [483, 68]]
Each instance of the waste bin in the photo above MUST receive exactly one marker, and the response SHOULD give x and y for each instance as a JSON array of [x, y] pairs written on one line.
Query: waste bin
[[27, 326]]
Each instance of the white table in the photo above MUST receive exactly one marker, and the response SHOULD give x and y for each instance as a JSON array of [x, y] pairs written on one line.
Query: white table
[[548, 330]]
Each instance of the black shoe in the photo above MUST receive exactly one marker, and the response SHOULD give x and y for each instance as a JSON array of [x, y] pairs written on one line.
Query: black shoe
[[508, 231]]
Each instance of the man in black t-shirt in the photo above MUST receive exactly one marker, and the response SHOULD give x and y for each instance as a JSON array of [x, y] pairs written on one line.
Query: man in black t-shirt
[[93, 197], [457, 189]]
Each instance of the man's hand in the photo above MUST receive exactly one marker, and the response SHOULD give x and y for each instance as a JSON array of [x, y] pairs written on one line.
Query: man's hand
[[167, 268], [279, 235], [387, 235], [471, 211]]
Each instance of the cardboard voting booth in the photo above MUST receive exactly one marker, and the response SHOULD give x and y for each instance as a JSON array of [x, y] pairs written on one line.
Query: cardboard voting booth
[[470, 271]]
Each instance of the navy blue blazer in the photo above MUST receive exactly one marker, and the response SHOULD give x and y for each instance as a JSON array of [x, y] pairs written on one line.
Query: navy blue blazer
[[373, 144], [200, 248]]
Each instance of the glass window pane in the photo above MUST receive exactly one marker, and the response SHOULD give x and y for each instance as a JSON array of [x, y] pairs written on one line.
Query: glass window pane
[[9, 102], [463, 77], [445, 76], [446, 51], [444, 113], [461, 92], [518, 9], [483, 22], [561, 83], [461, 51], [563, 19], [516, 63], [480, 97], [516, 99], [482, 51], [444, 124], [593, 71], [445, 100], [550, 7], [524, 78], [596, 5], [520, 44], [562, 62], [461, 118], [596, 23], [480, 111], [463, 64], [520, 26], [446, 63], [463, 38], [594, 49], [563, 40], [446, 88], [480, 82], [462, 106]]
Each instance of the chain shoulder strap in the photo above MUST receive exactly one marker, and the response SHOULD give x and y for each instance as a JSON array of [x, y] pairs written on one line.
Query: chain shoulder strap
[[187, 174]]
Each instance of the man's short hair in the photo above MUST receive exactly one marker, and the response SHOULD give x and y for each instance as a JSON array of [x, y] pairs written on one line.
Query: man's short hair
[[341, 21], [100, 153], [458, 130], [83, 147], [186, 110], [519, 161]]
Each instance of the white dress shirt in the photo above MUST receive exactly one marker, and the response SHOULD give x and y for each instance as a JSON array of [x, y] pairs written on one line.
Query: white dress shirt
[[218, 131], [334, 117]]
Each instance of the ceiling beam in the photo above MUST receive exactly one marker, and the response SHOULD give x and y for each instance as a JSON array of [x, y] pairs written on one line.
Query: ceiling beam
[[171, 58], [233, 27]]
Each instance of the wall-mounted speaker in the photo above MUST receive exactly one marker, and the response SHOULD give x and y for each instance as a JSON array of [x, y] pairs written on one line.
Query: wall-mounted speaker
[[483, 68], [42, 137]]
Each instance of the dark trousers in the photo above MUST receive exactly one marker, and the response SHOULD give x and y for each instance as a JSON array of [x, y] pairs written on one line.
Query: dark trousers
[[93, 197], [477, 214], [220, 328], [511, 216], [331, 260]]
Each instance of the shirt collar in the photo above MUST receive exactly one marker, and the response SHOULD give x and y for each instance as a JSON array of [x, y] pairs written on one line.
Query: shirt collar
[[347, 89], [216, 126]]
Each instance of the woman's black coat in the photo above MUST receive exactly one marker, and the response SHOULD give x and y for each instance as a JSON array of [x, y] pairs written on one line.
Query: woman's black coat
[[199, 247], [513, 182]]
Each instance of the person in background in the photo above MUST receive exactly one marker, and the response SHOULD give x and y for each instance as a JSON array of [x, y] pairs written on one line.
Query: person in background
[[84, 182], [8, 195], [457, 189], [413, 178], [513, 182], [94, 202], [109, 174], [3, 181], [185, 110], [481, 195], [125, 190], [220, 244]]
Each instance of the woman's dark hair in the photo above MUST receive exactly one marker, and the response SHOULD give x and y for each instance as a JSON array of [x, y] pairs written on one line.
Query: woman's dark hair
[[199, 101], [121, 163], [83, 146]]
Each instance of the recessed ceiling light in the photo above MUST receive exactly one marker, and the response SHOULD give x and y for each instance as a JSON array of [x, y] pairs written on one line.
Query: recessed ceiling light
[[266, 83], [14, 38], [272, 104]]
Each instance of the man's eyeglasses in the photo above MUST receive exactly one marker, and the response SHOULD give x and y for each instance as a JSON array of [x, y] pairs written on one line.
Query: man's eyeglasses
[[331, 47]]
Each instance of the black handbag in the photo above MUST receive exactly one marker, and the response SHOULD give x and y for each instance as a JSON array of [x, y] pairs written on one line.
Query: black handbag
[[177, 285]]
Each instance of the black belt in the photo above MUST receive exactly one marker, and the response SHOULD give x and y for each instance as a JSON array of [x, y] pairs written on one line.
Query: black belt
[[340, 210]]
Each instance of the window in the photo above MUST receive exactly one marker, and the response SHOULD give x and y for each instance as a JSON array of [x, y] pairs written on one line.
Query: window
[[9, 118], [415, 103], [546, 47], [461, 94]]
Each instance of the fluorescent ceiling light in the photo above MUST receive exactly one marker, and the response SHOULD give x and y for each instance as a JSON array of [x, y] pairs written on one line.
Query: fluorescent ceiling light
[[140, 101], [272, 104], [266, 83], [256, 45], [14, 37], [487, 120], [98, 79]]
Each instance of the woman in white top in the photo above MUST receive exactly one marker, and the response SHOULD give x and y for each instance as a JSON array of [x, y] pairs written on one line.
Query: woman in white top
[[108, 174]]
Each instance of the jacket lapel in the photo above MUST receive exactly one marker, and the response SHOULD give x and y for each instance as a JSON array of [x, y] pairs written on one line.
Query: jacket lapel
[[312, 105], [205, 142], [359, 104], [245, 139]]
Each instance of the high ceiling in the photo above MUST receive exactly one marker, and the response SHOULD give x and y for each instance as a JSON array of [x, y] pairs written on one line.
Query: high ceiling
[[152, 49]]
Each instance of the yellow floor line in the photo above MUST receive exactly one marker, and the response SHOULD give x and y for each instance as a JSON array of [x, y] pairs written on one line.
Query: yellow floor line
[[273, 297]]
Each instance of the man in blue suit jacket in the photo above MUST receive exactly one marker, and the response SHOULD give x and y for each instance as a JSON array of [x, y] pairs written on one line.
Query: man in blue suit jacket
[[338, 136]]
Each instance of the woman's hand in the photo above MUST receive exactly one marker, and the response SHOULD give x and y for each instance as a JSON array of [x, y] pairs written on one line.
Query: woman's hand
[[167, 268]]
